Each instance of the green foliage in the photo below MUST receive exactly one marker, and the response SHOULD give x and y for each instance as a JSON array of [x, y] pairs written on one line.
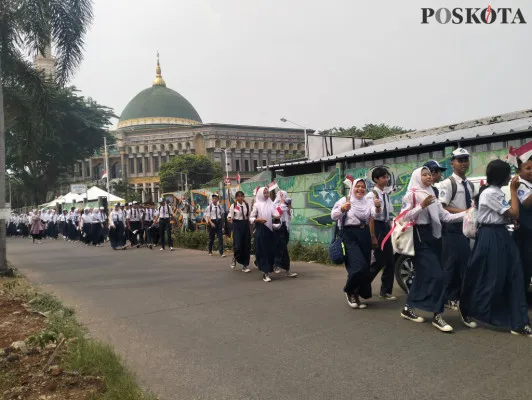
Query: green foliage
[[368, 131], [197, 240], [199, 169], [315, 252], [39, 149], [126, 191]]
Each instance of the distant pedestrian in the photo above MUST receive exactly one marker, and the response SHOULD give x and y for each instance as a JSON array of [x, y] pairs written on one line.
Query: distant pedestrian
[[239, 213]]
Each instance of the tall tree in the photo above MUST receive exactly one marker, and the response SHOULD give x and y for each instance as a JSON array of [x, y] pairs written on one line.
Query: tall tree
[[199, 170], [369, 131], [28, 26], [73, 129]]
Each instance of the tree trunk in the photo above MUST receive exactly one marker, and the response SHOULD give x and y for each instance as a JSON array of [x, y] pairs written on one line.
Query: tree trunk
[[3, 256]]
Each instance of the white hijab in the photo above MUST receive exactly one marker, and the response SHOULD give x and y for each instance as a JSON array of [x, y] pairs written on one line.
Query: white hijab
[[264, 208], [360, 207], [421, 193], [278, 196]]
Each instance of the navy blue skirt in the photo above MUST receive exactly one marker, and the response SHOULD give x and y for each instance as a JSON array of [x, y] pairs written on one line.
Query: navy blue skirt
[[357, 243], [241, 241], [426, 292], [264, 250], [492, 291]]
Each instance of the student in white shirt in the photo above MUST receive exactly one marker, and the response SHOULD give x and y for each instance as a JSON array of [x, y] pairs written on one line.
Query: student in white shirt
[[239, 216], [281, 232], [493, 281], [456, 194], [353, 214], [163, 218], [116, 229], [427, 290], [523, 230], [215, 221]]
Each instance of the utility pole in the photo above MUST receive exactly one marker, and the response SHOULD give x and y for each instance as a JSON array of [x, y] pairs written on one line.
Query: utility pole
[[106, 158], [4, 270]]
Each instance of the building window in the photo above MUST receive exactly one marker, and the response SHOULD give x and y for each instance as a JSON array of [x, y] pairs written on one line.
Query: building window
[[148, 166], [497, 146], [237, 165], [255, 165], [131, 165], [156, 163], [411, 158], [246, 165], [139, 165], [264, 163], [163, 159]]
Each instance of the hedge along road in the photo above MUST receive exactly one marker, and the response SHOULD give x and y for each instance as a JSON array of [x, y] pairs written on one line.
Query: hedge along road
[[192, 328]]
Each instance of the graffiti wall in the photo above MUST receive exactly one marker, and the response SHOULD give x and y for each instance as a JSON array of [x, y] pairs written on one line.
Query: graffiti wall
[[314, 195]]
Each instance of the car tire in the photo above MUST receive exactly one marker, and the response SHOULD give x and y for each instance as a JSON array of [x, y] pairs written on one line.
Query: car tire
[[404, 272]]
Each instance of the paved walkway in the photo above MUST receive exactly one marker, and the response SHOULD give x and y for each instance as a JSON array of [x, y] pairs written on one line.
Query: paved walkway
[[193, 329]]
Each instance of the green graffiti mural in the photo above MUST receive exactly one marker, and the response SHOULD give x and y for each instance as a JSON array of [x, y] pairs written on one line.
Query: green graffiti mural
[[314, 195]]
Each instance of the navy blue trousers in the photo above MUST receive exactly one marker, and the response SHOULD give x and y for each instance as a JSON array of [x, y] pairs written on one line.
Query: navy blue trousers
[[357, 243], [456, 249]]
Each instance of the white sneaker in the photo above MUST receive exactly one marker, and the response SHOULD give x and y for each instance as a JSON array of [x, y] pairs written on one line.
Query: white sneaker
[[246, 269], [222, 255], [277, 270], [161, 249], [266, 278], [171, 249], [290, 274]]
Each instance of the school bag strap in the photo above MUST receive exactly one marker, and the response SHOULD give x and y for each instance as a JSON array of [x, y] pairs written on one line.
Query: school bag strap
[[454, 188]]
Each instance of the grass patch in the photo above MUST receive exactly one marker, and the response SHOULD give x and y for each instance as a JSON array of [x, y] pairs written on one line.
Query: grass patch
[[81, 354], [298, 251]]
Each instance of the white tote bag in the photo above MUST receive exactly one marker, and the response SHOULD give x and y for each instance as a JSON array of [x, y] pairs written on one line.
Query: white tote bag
[[402, 234]]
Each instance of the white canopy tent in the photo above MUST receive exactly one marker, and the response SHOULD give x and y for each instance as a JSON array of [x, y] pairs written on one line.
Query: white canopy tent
[[92, 194]]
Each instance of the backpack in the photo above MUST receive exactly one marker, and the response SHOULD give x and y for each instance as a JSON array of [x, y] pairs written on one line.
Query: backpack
[[454, 188]]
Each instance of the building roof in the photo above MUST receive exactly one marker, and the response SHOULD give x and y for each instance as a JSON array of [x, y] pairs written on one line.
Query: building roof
[[484, 128], [159, 106]]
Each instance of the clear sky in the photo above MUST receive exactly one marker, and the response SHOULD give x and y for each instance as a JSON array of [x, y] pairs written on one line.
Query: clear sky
[[321, 63]]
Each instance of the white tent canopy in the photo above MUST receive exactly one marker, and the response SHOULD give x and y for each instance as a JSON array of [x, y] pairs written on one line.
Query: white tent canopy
[[92, 194]]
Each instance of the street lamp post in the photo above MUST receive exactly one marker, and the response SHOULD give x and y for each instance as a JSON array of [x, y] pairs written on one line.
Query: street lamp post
[[304, 132]]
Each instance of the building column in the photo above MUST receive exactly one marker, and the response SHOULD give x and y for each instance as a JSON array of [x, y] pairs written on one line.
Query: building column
[[90, 168], [144, 192], [152, 167], [154, 198], [82, 169], [123, 165]]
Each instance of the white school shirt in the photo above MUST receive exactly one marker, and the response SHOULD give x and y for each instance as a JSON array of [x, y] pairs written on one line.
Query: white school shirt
[[116, 216], [492, 205], [352, 217], [97, 217], [385, 199], [239, 211], [422, 216], [524, 190], [86, 218], [214, 211], [149, 214], [446, 192], [135, 214], [165, 211]]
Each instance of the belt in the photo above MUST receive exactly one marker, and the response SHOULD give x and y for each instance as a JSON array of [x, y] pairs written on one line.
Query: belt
[[492, 225], [361, 226]]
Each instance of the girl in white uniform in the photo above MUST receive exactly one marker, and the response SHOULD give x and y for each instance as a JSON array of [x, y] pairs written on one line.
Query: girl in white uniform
[[426, 291], [492, 291]]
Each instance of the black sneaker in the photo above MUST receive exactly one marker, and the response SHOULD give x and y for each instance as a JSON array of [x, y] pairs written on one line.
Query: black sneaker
[[359, 302], [524, 331], [468, 321], [440, 323], [351, 301], [408, 313], [388, 296]]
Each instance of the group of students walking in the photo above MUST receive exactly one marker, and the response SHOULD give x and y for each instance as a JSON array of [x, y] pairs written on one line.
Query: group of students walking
[[487, 284]]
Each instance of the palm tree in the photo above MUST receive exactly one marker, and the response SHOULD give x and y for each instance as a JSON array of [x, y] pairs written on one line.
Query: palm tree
[[26, 28]]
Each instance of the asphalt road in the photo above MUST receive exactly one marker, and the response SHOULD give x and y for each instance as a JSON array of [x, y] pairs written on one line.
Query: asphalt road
[[191, 328]]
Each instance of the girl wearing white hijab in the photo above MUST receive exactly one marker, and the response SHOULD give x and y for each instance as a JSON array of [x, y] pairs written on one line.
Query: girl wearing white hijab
[[353, 214], [426, 291], [262, 215], [282, 234], [36, 226]]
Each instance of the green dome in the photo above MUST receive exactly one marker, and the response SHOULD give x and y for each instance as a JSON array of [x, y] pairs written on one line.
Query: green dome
[[158, 105]]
